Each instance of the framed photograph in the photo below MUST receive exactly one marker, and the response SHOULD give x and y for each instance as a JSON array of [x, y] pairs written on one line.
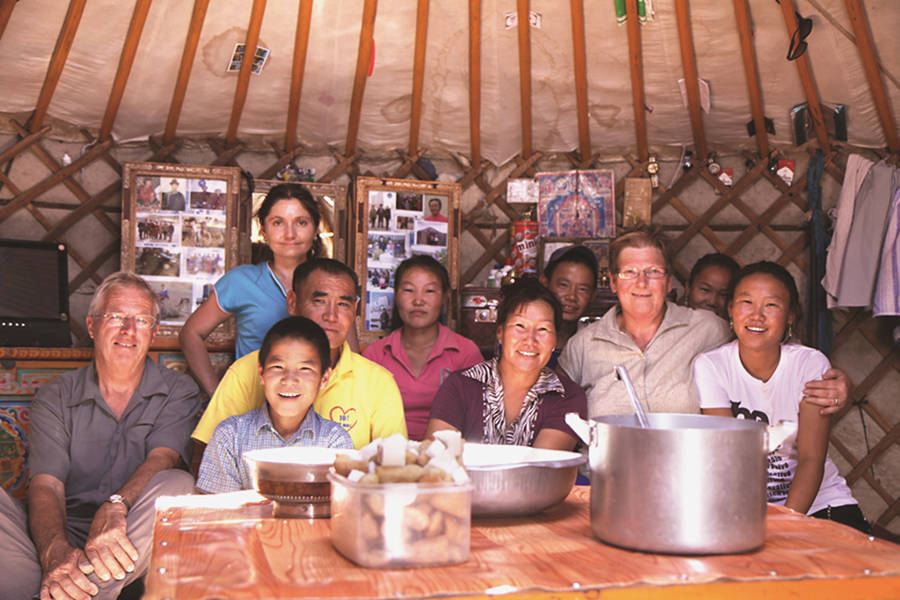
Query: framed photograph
[[395, 220], [577, 204], [332, 201], [181, 232]]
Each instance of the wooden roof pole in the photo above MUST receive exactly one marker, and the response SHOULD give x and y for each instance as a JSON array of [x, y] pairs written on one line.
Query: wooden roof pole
[[581, 96], [243, 84], [475, 81], [6, 8], [751, 72], [184, 71], [57, 62], [691, 85], [363, 57], [301, 43], [636, 59], [415, 119], [524, 31], [806, 80], [876, 85], [126, 60]]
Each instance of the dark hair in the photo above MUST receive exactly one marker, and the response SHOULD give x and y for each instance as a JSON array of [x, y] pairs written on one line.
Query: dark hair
[[766, 267], [422, 261], [639, 236], [525, 290], [292, 191], [435, 199], [714, 259], [329, 265], [297, 328], [579, 255]]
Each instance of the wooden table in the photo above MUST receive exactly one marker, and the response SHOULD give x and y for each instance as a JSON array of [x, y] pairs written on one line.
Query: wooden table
[[239, 551]]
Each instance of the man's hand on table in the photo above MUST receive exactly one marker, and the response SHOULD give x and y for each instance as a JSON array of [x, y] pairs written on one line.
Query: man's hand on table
[[830, 392], [64, 575], [110, 552]]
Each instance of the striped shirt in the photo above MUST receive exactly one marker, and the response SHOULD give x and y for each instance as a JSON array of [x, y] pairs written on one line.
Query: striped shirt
[[223, 469]]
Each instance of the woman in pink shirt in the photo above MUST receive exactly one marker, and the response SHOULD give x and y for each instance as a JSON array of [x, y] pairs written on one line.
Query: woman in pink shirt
[[420, 352]]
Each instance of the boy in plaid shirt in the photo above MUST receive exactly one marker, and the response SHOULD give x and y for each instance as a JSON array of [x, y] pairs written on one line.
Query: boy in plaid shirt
[[294, 365]]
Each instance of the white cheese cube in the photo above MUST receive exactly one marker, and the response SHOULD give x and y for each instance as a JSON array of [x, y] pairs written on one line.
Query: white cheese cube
[[393, 451], [436, 448], [452, 439], [369, 451]]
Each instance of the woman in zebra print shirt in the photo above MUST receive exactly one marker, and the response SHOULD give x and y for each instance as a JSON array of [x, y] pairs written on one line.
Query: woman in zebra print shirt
[[514, 398]]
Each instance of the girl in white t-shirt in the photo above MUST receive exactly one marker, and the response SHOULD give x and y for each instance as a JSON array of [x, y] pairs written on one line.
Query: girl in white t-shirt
[[760, 376]]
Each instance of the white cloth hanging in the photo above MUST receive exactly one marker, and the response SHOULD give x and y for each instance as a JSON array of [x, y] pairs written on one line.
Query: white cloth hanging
[[870, 210], [856, 171]]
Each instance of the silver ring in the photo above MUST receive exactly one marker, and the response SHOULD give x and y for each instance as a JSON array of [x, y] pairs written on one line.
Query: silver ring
[[835, 401]]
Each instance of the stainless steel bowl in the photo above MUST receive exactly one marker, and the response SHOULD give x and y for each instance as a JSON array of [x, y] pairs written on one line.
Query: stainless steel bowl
[[294, 478], [514, 481]]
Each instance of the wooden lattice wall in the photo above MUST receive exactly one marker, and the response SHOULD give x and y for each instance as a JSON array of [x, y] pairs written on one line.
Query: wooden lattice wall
[[759, 217]]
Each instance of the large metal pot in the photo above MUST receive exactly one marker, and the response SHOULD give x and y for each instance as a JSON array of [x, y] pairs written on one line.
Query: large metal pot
[[688, 484]]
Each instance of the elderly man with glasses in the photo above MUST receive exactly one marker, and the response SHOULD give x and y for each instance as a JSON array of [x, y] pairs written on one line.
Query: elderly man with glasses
[[106, 441]]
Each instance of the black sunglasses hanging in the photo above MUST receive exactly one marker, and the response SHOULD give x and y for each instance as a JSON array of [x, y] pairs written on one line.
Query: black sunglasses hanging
[[798, 43]]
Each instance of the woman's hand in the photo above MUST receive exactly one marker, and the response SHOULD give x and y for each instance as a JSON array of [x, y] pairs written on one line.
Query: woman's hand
[[830, 392], [436, 425], [554, 439], [193, 342]]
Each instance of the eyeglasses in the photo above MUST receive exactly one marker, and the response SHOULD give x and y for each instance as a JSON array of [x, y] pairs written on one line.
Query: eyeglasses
[[121, 319], [798, 46], [649, 273]]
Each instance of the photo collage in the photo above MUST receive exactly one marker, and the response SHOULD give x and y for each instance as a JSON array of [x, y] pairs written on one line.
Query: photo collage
[[180, 232], [400, 225]]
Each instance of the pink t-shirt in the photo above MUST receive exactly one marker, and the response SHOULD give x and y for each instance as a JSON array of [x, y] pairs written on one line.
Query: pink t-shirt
[[451, 352]]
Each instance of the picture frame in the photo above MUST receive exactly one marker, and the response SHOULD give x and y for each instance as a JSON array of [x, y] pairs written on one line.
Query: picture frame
[[331, 199], [394, 220], [181, 231], [577, 204]]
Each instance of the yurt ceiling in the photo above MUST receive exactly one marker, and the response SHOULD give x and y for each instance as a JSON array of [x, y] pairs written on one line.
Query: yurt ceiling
[[454, 76]]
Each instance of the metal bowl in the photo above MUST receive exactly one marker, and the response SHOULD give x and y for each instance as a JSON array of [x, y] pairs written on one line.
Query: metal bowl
[[514, 481], [294, 478]]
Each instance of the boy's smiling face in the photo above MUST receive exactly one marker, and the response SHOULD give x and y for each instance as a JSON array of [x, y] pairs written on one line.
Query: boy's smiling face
[[292, 378]]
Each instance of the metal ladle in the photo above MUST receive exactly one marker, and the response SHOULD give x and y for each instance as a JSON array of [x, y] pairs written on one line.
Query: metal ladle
[[622, 372]]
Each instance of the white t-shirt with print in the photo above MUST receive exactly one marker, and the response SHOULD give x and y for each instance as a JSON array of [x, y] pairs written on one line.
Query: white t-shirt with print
[[723, 382]]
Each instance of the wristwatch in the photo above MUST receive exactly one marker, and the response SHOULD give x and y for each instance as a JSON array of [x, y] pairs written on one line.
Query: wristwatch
[[119, 499]]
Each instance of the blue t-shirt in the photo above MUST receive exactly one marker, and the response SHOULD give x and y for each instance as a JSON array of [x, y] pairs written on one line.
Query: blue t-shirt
[[256, 298]]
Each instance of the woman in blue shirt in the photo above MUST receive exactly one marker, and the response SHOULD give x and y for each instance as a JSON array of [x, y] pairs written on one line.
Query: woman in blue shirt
[[257, 294]]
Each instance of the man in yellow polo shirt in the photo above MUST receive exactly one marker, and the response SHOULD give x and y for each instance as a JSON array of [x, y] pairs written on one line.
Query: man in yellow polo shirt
[[360, 395]]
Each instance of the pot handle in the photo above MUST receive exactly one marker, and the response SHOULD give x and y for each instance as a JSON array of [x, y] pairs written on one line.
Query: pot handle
[[777, 434], [580, 426]]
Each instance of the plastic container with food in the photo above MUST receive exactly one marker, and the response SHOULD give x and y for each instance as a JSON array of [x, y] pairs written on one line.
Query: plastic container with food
[[397, 525]]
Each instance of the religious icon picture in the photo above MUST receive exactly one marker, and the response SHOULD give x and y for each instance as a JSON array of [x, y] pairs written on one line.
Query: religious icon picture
[[577, 204]]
